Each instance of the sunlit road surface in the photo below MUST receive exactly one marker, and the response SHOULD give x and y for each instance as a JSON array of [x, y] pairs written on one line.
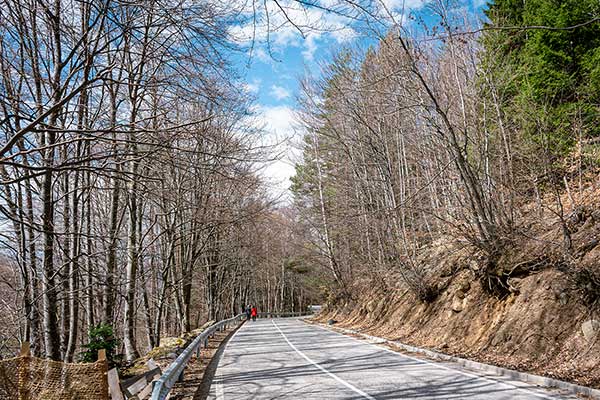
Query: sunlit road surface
[[289, 359]]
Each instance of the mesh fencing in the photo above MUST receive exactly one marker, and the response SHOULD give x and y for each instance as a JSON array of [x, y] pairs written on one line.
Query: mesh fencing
[[32, 378]]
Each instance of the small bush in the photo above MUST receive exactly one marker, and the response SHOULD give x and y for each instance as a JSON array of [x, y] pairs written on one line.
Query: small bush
[[102, 336]]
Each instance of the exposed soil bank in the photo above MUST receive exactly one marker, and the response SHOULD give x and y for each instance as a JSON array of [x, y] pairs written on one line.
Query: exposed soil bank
[[547, 321], [537, 328]]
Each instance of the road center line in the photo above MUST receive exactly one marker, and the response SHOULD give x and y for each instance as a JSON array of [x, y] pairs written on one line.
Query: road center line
[[337, 378]]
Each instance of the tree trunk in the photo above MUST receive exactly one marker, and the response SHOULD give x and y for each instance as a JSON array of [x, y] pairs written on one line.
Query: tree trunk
[[131, 352], [74, 276], [51, 332]]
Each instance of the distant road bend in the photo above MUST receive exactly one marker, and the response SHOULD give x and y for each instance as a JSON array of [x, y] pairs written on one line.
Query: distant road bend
[[288, 359]]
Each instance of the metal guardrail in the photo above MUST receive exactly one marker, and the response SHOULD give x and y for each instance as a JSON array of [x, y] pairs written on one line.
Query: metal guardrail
[[283, 314], [174, 371]]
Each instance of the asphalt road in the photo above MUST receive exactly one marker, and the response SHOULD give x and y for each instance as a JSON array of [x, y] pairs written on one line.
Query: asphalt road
[[289, 359]]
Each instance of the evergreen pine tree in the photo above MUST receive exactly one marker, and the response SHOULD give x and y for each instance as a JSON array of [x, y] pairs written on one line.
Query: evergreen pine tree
[[549, 74]]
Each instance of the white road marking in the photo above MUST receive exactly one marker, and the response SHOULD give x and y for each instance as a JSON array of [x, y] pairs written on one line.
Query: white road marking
[[337, 378], [528, 391], [219, 389]]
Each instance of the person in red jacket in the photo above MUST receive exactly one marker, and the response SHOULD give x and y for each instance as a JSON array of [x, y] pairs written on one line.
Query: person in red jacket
[[254, 313]]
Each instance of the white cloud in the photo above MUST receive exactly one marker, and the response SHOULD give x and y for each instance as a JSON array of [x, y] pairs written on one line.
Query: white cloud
[[310, 46], [262, 55], [279, 92], [280, 131], [344, 35], [406, 5], [241, 33], [397, 11], [310, 26], [278, 120], [272, 24], [254, 86]]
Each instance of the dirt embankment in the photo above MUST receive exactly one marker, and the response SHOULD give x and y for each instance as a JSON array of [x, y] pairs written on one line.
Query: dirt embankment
[[541, 325]]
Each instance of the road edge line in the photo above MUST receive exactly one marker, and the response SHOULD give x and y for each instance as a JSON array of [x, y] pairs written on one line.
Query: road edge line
[[219, 392], [539, 381], [217, 380], [547, 396]]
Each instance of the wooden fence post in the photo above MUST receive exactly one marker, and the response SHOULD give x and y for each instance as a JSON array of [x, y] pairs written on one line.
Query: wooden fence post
[[25, 350], [104, 366], [114, 389]]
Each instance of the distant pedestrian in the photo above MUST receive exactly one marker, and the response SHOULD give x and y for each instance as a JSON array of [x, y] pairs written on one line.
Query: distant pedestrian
[[254, 313], [248, 312]]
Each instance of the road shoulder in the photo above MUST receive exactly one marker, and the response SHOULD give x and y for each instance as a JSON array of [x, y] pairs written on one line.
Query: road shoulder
[[199, 373], [477, 367]]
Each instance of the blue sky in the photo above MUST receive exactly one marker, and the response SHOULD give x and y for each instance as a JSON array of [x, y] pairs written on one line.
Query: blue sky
[[281, 55]]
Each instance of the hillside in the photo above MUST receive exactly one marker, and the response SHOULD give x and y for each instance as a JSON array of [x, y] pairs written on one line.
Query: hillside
[[544, 324]]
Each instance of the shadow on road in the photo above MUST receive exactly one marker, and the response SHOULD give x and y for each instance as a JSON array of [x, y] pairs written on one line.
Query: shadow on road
[[209, 373]]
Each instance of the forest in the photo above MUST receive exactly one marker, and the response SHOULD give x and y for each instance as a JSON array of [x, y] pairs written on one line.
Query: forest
[[131, 184], [130, 187], [477, 134], [449, 177]]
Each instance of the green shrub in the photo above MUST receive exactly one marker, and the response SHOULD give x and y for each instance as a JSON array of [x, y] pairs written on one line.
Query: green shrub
[[102, 336]]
